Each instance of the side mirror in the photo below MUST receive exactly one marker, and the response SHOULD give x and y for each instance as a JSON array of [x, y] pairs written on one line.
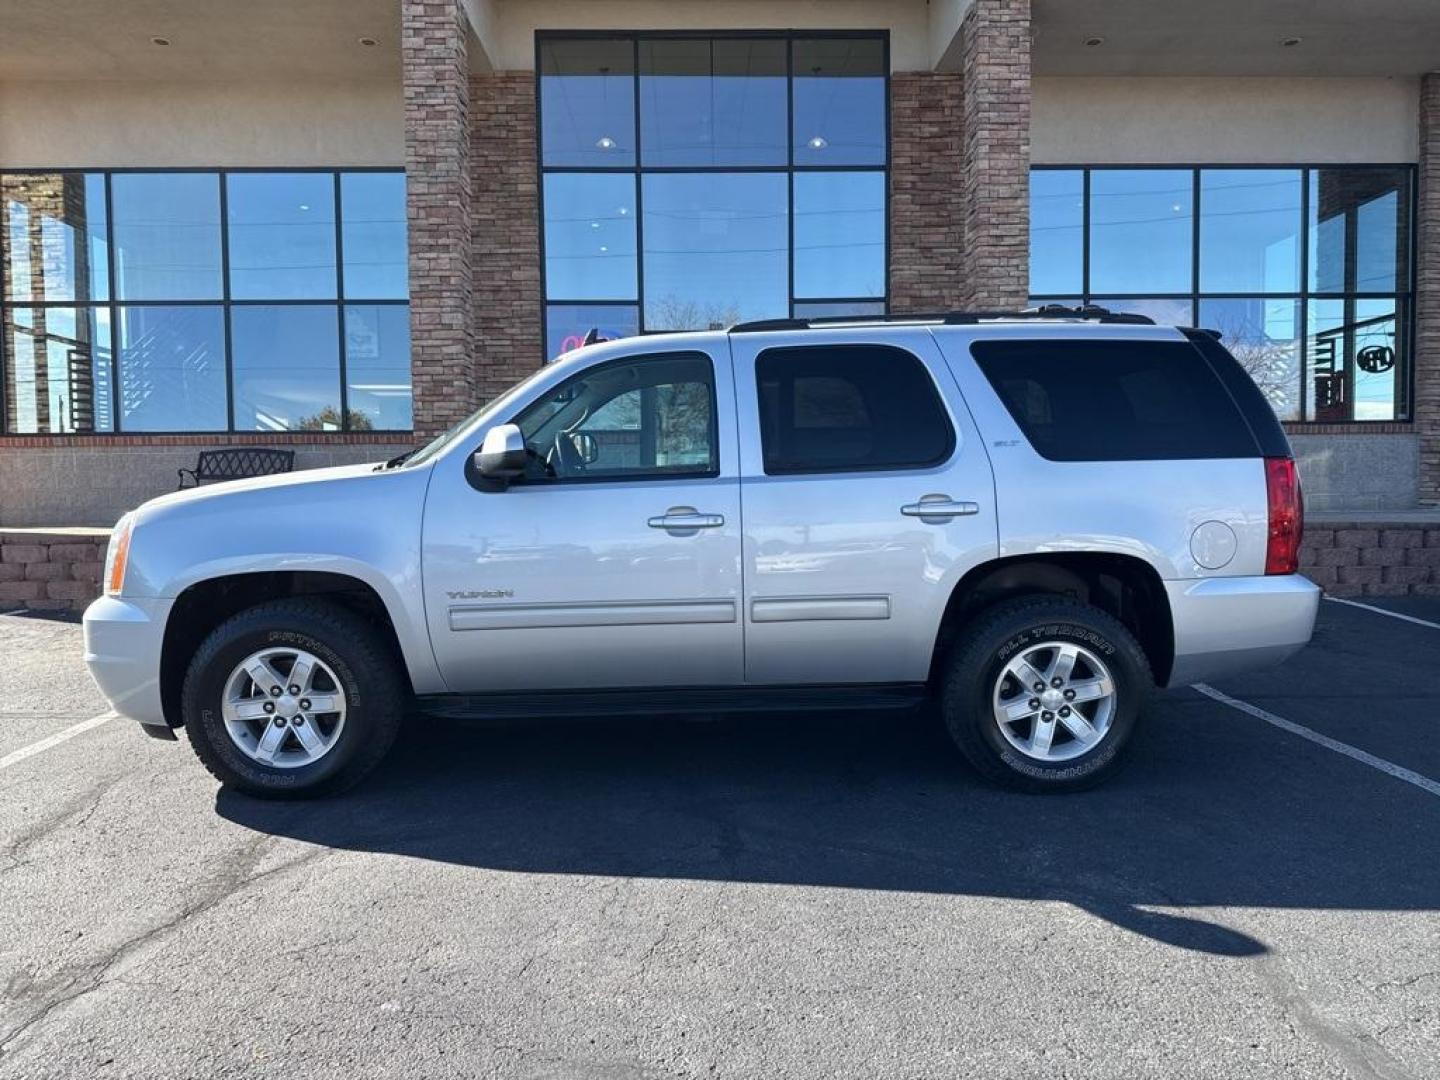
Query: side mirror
[[502, 455], [586, 447]]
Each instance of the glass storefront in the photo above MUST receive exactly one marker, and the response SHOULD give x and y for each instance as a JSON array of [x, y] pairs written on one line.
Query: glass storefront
[[692, 182], [203, 301], [1305, 271]]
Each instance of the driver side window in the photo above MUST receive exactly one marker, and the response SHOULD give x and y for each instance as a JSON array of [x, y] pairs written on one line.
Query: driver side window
[[637, 418]]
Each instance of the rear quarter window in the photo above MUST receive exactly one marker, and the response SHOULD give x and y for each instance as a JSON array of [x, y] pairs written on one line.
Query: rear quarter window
[[1115, 400]]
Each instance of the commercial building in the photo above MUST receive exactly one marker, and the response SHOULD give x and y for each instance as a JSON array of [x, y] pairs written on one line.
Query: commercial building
[[338, 225]]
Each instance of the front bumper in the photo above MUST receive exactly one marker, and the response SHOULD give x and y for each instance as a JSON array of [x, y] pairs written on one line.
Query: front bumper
[[123, 638], [1224, 626]]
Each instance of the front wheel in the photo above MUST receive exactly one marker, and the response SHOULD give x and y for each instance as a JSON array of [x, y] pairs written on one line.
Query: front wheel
[[292, 698], [1043, 694]]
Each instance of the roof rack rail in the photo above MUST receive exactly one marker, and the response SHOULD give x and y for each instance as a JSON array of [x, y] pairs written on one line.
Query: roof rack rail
[[1089, 312]]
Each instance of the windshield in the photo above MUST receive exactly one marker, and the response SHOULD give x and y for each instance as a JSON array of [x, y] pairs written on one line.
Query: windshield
[[438, 445]]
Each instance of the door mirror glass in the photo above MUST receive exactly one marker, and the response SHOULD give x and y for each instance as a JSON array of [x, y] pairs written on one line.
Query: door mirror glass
[[502, 455]]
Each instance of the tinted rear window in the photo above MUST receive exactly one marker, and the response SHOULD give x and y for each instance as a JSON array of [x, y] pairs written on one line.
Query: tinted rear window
[[1115, 400], [830, 408]]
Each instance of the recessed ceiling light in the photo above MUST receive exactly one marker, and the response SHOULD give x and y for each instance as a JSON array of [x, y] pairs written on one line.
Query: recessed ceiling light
[[605, 142], [369, 42], [159, 41], [1290, 42], [304, 206], [1094, 41], [818, 143]]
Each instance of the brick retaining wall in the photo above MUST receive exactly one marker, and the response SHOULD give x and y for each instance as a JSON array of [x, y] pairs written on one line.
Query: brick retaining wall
[[1373, 559], [51, 570]]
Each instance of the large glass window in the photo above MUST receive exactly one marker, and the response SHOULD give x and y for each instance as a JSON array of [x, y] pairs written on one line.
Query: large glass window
[[693, 182], [1305, 271], [199, 301], [715, 249]]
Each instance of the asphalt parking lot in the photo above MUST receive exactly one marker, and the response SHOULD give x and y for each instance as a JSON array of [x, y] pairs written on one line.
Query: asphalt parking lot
[[759, 897]]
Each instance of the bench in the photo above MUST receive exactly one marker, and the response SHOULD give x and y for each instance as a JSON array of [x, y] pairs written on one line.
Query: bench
[[236, 463]]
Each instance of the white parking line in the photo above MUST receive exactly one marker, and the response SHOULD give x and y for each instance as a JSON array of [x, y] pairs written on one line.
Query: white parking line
[[1424, 783], [17, 756], [17, 611], [1382, 611]]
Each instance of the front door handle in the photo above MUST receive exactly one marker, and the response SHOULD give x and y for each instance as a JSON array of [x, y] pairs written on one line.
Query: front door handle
[[685, 521], [938, 509]]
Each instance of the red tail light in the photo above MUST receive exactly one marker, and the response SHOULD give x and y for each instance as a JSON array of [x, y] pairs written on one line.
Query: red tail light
[[1287, 516]]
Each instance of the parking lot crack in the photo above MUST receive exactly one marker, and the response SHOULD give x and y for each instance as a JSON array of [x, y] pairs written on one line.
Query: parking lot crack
[[1357, 1051], [238, 874]]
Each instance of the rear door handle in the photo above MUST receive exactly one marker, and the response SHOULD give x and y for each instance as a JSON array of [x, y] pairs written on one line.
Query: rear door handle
[[938, 509], [685, 520]]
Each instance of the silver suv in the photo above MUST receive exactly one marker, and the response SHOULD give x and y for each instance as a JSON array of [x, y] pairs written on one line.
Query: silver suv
[[1033, 517]]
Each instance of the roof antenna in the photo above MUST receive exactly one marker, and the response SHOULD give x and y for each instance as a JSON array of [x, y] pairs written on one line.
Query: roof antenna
[[593, 337]]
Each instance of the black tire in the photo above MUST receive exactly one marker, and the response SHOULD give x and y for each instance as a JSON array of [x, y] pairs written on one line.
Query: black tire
[[978, 659], [363, 664]]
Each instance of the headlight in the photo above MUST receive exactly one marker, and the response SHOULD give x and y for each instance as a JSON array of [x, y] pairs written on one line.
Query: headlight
[[116, 556]]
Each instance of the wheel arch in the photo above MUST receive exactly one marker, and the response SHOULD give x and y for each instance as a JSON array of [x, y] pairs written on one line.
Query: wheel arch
[[1125, 586], [205, 604]]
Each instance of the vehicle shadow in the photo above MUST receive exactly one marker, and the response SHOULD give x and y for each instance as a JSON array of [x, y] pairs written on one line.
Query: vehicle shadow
[[1213, 811]]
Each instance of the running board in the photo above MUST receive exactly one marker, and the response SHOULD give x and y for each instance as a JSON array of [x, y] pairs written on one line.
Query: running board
[[557, 704]]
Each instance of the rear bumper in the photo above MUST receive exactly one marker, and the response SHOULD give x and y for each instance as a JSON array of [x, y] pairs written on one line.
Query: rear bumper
[[1229, 625], [123, 637]]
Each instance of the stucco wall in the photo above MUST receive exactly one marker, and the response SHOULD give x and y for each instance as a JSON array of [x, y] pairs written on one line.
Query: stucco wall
[[1198, 120], [1357, 472], [86, 124], [514, 22], [94, 485]]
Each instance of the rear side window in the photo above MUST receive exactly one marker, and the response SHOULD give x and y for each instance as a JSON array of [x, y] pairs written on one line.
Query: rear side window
[[1115, 400], [833, 408]]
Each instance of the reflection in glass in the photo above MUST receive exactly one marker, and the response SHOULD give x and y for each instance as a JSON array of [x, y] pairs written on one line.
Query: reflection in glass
[[55, 235], [713, 101], [839, 101], [1140, 230], [1250, 230], [1359, 230], [590, 236], [840, 234], [587, 102], [167, 235], [1264, 335], [377, 366], [716, 249], [1057, 230], [567, 324], [172, 368], [1354, 360], [57, 371], [372, 211], [817, 309], [287, 369], [1166, 311], [282, 235]]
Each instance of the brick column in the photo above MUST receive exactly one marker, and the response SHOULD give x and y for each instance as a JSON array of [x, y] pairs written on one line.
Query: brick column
[[435, 57], [995, 64], [927, 216], [505, 230], [1427, 293]]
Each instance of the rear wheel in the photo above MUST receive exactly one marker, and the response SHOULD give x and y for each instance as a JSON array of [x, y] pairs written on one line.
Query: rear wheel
[[292, 698], [1043, 694]]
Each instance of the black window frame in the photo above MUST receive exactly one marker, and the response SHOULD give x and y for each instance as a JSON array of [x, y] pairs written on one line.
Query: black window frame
[[639, 170], [713, 473], [339, 302], [897, 352], [1404, 295]]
